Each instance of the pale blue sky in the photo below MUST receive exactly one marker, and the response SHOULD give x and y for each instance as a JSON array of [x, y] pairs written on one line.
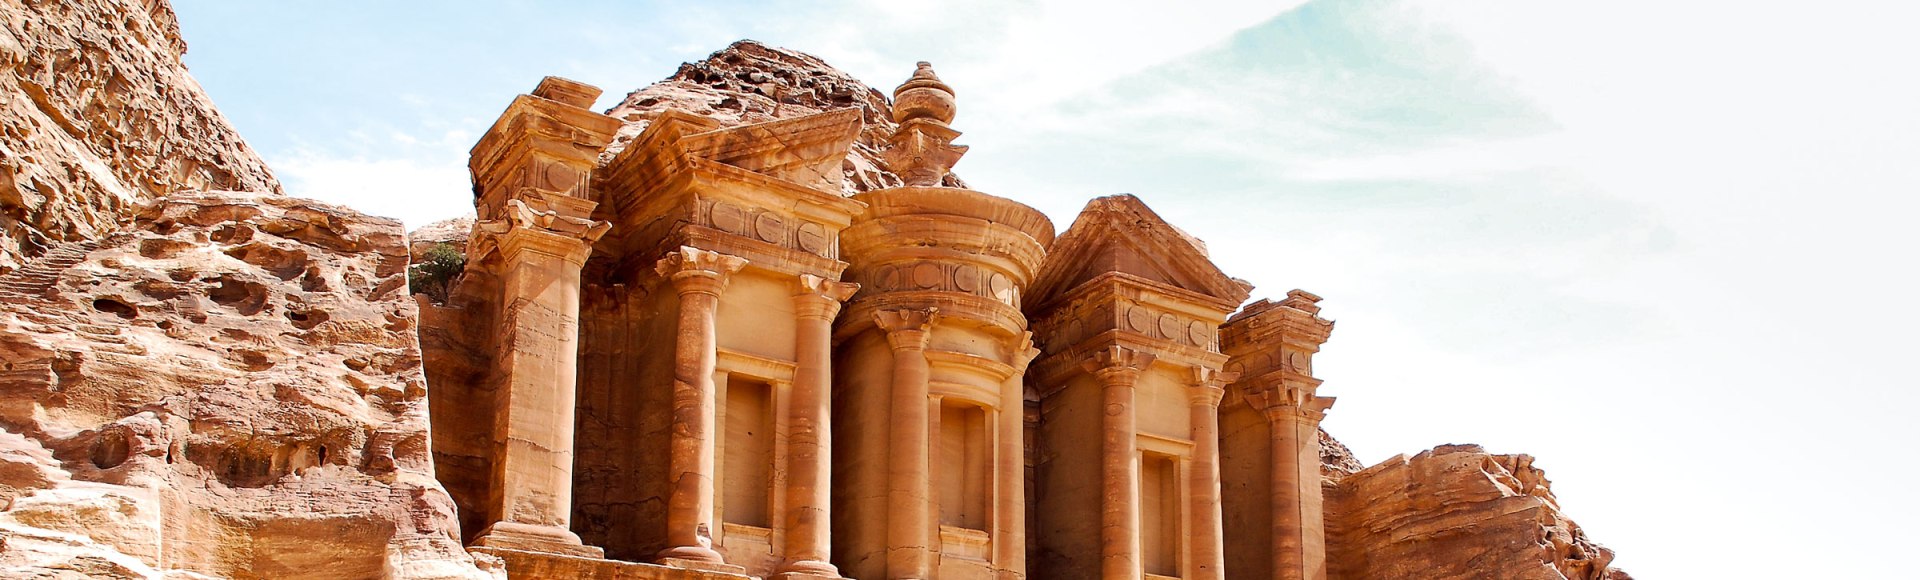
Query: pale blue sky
[[1666, 247]]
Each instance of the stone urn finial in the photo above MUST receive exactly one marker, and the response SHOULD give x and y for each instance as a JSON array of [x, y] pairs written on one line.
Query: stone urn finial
[[923, 97]]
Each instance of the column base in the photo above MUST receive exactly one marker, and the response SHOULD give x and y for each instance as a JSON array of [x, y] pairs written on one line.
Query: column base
[[703, 566], [524, 565], [532, 538], [807, 570]]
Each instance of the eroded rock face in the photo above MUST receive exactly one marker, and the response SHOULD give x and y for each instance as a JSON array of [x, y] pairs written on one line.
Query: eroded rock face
[[231, 387], [97, 114], [1456, 512], [748, 82]]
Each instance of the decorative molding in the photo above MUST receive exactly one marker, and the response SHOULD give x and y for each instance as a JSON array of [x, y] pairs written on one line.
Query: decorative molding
[[944, 276], [695, 270], [907, 328], [786, 231]]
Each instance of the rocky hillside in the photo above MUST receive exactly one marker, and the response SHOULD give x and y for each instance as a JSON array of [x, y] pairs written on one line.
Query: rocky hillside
[[230, 387], [97, 114], [1456, 513], [749, 82]]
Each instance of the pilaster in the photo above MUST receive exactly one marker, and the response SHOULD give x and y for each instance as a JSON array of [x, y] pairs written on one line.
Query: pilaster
[[534, 234]]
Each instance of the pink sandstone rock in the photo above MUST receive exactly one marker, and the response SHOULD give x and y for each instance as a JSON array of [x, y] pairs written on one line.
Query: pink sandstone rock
[[98, 115], [231, 387]]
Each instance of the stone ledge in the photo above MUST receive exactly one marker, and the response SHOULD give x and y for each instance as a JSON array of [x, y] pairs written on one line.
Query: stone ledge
[[524, 565]]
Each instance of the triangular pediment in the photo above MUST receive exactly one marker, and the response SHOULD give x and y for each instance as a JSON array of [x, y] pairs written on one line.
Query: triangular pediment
[[807, 150], [1120, 235]]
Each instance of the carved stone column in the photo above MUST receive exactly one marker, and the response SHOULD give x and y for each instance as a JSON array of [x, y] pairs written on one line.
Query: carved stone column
[[1299, 532], [809, 475], [699, 276], [1118, 368], [1209, 549], [910, 528], [532, 488], [1010, 468]]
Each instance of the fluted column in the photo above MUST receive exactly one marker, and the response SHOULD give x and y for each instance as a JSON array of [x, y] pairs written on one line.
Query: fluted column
[[1209, 548], [809, 466], [1010, 468], [1299, 528], [909, 484], [699, 276], [531, 500], [1118, 370]]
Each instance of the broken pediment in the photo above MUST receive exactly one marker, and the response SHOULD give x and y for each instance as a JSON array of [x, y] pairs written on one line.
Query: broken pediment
[[807, 151], [1120, 235]]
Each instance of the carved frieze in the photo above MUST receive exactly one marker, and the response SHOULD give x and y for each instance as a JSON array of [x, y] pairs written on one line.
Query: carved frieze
[[1084, 319], [944, 276], [767, 226]]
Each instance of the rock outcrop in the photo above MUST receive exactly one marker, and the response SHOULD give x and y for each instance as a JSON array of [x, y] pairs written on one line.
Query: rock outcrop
[[1456, 513], [97, 115], [231, 387], [749, 82]]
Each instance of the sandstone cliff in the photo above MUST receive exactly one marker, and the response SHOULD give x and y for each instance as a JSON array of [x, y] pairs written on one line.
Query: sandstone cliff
[[748, 82], [98, 114], [1456, 512], [231, 387]]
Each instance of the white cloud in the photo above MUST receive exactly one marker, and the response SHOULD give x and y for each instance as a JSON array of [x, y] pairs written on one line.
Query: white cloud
[[417, 190]]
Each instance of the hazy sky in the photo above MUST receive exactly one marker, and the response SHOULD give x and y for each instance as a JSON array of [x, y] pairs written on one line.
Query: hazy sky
[[1666, 247]]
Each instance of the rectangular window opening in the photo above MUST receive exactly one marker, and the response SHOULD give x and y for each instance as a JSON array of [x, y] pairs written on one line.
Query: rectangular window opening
[[1159, 514], [747, 451], [961, 466]]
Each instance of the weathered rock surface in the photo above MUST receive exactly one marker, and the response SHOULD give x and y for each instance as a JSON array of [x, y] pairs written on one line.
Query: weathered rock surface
[[98, 114], [453, 232], [1456, 512], [231, 388], [1336, 460], [749, 82]]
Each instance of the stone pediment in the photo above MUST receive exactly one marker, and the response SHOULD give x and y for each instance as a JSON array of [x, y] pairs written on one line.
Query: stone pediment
[[807, 151], [1120, 234]]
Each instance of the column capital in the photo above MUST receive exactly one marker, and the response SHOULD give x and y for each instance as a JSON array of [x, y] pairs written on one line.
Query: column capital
[[1210, 385], [1117, 365], [1023, 352], [819, 298], [694, 270], [907, 328], [524, 229], [1282, 401]]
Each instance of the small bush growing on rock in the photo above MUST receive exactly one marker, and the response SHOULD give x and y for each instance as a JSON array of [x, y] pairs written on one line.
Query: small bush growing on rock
[[436, 271]]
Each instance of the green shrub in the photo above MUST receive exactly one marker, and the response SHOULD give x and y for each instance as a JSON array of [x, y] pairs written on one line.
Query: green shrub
[[436, 271]]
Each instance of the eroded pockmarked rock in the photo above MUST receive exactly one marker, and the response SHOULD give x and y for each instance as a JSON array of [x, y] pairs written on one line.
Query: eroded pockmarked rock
[[231, 387], [98, 114]]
